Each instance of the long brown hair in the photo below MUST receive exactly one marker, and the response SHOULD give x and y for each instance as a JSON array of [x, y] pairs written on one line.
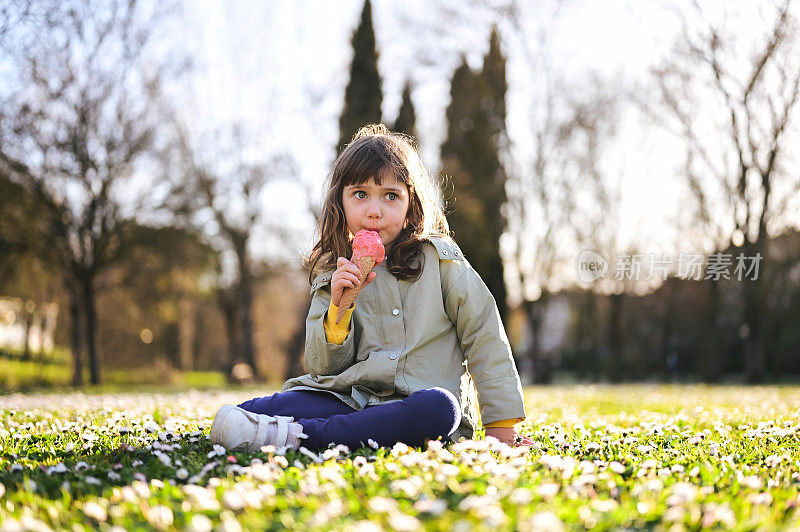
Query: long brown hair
[[376, 153]]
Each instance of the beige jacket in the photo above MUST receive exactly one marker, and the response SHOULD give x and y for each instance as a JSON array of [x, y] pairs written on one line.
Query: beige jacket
[[412, 335]]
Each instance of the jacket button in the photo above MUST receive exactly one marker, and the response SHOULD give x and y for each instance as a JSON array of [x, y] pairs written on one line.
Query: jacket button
[[393, 356], [316, 379], [396, 311]]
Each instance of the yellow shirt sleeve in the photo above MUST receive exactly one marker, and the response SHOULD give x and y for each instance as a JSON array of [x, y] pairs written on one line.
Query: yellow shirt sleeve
[[336, 333], [504, 423]]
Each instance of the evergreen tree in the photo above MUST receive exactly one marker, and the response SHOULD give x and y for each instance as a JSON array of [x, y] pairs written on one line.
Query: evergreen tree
[[471, 157], [362, 98], [406, 117], [493, 88]]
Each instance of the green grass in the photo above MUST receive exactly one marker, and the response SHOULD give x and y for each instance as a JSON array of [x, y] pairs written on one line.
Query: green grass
[[606, 457], [21, 375]]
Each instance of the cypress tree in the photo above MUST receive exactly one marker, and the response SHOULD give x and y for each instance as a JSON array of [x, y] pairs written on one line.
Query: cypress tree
[[467, 214], [471, 157], [406, 117], [493, 88], [362, 98]]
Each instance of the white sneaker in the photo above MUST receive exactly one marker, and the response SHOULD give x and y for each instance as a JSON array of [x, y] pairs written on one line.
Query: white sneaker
[[235, 427]]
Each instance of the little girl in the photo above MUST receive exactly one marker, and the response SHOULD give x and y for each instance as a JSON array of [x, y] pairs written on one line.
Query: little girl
[[391, 370]]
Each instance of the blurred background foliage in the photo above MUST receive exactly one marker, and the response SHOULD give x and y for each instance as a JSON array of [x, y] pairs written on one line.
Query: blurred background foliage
[[130, 243]]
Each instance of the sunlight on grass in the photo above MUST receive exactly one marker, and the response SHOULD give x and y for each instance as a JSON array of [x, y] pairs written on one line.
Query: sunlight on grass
[[21, 375], [606, 457]]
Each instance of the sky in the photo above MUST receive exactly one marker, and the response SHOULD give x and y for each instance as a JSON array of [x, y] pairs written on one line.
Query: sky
[[280, 69]]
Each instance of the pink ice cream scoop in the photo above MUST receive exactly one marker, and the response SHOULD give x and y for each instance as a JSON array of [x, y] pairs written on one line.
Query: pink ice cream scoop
[[367, 252], [368, 243]]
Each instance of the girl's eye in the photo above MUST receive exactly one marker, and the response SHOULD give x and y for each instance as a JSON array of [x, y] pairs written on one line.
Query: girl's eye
[[392, 196], [360, 194]]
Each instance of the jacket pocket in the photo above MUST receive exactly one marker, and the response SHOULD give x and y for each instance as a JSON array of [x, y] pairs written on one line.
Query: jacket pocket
[[377, 373]]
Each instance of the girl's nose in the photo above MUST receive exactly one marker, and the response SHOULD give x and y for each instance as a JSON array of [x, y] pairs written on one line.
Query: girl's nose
[[373, 210]]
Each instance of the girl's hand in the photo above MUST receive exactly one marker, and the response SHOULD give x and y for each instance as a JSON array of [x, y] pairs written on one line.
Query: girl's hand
[[346, 276], [509, 436]]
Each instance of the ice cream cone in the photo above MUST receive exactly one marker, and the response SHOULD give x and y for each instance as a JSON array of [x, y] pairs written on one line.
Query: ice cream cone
[[365, 265]]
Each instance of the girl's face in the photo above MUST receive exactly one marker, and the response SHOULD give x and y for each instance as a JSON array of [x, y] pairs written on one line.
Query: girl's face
[[380, 208]]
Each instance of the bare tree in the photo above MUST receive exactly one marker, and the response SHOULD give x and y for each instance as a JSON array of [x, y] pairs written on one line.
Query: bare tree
[[540, 205], [733, 102], [595, 200], [221, 193], [79, 119], [560, 200]]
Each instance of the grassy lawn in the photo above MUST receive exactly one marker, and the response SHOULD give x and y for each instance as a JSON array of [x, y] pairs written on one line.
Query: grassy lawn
[[17, 374], [606, 457]]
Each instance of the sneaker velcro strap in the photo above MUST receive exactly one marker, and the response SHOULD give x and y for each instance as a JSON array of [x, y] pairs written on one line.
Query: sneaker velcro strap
[[252, 416], [261, 433], [283, 430]]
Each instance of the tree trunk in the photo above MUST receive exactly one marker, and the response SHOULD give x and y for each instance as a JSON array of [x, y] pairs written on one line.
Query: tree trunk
[[76, 334], [295, 348], [26, 353], [245, 303], [754, 349], [668, 341], [766, 337], [711, 332], [497, 285], [542, 371], [90, 312], [228, 309], [187, 316], [615, 362], [587, 341]]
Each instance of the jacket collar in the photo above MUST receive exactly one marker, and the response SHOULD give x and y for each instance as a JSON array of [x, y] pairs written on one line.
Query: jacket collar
[[322, 279]]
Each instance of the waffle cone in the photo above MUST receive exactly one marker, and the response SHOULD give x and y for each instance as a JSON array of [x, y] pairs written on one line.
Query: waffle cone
[[365, 265]]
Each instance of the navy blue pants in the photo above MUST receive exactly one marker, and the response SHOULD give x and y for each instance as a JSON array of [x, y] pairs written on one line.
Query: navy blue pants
[[425, 414]]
